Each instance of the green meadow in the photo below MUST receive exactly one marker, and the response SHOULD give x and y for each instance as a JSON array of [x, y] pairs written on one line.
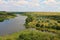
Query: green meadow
[[39, 26]]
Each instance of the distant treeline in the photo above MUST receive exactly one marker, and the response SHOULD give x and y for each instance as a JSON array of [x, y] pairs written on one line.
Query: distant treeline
[[41, 13]]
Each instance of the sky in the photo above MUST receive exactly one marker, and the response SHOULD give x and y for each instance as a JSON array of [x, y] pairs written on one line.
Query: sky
[[30, 5]]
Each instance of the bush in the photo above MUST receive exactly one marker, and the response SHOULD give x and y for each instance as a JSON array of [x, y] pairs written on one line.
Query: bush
[[36, 35]]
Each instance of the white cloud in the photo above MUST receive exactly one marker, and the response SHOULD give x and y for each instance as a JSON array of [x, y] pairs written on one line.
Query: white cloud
[[20, 2], [35, 3], [18, 5], [51, 2], [43, 5]]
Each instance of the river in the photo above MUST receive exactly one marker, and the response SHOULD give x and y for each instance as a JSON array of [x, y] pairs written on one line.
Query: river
[[12, 25]]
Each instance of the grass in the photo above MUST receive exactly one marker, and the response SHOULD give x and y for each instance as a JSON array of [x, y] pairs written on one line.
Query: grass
[[40, 21], [44, 21], [29, 34]]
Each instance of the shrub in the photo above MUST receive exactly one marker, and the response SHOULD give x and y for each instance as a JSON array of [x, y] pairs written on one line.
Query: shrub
[[36, 35]]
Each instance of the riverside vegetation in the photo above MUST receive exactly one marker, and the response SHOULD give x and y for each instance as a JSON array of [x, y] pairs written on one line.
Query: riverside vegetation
[[39, 26], [6, 15]]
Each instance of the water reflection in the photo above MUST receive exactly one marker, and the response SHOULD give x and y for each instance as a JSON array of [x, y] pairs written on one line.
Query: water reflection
[[12, 25]]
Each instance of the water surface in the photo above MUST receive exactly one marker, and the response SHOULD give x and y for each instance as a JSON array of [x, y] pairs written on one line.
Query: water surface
[[12, 25]]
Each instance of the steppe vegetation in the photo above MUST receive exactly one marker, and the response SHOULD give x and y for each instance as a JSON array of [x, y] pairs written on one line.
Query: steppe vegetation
[[39, 26]]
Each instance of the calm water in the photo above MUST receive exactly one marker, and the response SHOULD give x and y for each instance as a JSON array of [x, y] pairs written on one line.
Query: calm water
[[12, 25]]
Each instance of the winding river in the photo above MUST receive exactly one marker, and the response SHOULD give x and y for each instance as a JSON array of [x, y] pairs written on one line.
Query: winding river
[[12, 25]]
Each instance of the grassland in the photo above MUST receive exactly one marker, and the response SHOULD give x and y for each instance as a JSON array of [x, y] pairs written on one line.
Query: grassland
[[39, 26], [44, 21]]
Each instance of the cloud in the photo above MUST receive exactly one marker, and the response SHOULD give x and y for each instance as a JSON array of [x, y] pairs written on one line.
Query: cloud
[[51, 2], [30, 5], [18, 5], [20, 2]]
